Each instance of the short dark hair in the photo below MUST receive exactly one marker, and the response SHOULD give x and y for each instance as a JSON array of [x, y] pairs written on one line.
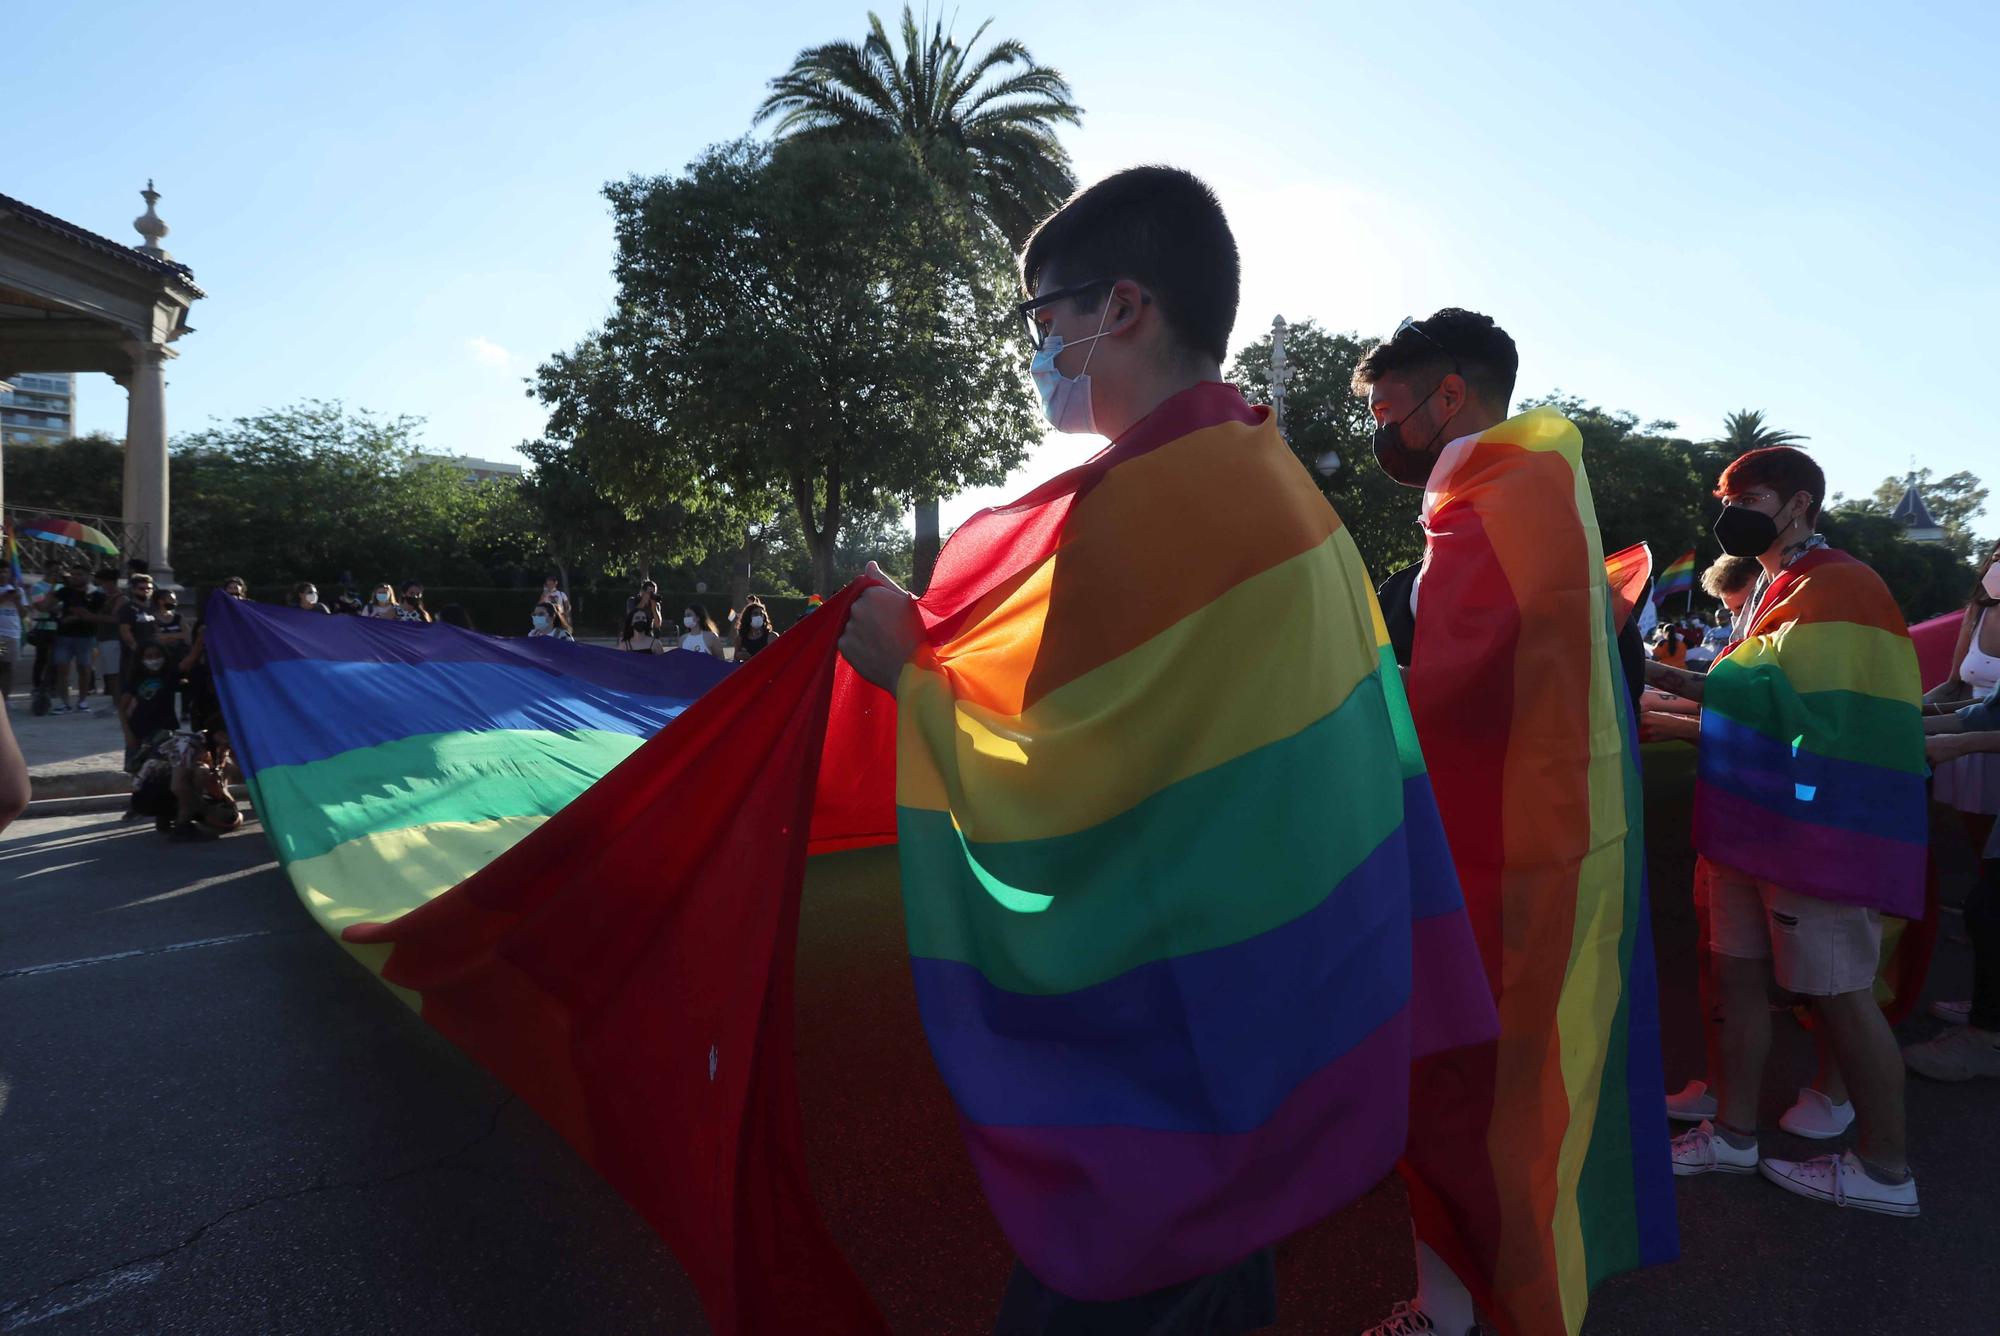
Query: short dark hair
[[1727, 574], [1453, 339], [1781, 468], [1162, 228], [108, 573]]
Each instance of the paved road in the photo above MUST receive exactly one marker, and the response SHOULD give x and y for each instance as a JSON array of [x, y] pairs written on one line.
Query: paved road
[[213, 1121]]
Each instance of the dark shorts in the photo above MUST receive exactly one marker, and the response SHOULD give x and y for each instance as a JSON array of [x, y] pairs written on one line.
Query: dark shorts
[[75, 649], [1240, 1298]]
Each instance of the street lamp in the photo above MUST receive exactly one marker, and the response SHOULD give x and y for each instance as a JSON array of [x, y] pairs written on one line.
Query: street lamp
[[1281, 371]]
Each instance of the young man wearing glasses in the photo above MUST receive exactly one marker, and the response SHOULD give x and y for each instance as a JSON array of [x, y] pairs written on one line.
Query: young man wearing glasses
[[1521, 706], [1143, 1160]]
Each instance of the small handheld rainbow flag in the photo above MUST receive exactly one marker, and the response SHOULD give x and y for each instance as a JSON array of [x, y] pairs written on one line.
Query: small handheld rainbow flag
[[1677, 578]]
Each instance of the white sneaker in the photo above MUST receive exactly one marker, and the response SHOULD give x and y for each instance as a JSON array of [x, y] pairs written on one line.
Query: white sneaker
[[1817, 1118], [1406, 1319], [1692, 1104], [1952, 1013], [1955, 1055], [1841, 1180], [1703, 1151]]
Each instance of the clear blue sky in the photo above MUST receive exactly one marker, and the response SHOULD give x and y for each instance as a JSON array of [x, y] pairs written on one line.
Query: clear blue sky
[[1682, 212]]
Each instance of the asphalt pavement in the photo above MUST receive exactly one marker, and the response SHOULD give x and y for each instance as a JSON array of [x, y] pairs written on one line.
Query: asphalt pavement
[[213, 1121]]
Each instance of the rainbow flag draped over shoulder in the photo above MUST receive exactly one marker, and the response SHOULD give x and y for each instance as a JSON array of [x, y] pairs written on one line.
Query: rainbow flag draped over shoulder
[[1812, 750], [390, 761], [1677, 578], [1538, 1166], [1179, 907]]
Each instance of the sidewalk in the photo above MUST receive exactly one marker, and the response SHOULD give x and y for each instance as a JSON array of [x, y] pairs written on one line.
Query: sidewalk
[[71, 755]]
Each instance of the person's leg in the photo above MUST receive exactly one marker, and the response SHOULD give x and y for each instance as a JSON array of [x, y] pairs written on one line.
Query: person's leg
[[1826, 1075], [1743, 989], [1866, 1049]]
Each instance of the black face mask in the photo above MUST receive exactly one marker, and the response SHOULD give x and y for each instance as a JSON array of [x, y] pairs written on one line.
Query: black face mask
[[1744, 532], [1412, 468]]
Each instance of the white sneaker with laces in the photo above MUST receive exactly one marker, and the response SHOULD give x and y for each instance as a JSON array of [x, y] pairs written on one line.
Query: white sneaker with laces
[[1956, 1055], [1840, 1179], [1815, 1117], [1703, 1151], [1952, 1013], [1691, 1104], [1406, 1319]]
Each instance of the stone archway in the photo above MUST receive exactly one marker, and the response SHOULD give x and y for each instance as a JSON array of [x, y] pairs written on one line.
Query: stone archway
[[71, 300]]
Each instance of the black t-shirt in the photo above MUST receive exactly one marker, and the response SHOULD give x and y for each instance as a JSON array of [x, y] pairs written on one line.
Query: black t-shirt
[[153, 701], [74, 602]]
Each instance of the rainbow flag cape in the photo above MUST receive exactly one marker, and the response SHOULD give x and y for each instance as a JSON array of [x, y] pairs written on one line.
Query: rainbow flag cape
[[1178, 909], [390, 761], [1539, 1166], [1812, 768], [1677, 578]]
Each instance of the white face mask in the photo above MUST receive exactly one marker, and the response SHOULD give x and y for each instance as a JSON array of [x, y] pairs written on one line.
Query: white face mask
[[1066, 399], [689, 622], [309, 599], [381, 597], [756, 623], [541, 622]]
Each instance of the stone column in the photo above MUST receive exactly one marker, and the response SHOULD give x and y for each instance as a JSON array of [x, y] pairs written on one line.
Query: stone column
[[146, 452]]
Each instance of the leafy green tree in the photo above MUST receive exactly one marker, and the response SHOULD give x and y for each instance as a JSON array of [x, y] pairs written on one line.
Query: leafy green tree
[[984, 126], [818, 321], [83, 474], [1928, 580], [1329, 429], [1746, 429]]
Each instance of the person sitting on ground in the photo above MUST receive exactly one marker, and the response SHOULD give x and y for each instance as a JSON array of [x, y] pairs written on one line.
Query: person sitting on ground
[[640, 634], [1797, 892], [203, 807], [382, 603], [698, 633], [753, 629], [412, 608], [149, 708], [550, 622], [305, 597]]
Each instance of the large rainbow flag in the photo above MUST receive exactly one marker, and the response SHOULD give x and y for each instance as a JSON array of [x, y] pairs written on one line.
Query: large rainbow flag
[[1539, 1167], [1178, 906], [390, 761], [1812, 765]]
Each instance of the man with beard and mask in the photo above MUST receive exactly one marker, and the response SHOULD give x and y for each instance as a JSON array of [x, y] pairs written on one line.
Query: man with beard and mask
[[1536, 1165], [1194, 1036], [1810, 808]]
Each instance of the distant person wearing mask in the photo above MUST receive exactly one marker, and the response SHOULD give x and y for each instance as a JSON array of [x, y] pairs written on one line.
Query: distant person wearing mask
[[305, 597], [549, 623], [753, 630], [77, 606], [412, 608], [698, 632], [641, 633], [382, 603], [148, 701]]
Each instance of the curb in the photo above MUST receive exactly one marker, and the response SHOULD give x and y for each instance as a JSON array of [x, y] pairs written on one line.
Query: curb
[[77, 784]]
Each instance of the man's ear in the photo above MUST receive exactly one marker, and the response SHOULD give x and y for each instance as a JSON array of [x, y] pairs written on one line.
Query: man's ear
[[1452, 394], [1127, 297]]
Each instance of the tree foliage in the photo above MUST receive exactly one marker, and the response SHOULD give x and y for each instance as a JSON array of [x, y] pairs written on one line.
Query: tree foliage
[[819, 323], [1746, 429], [985, 126], [1955, 501]]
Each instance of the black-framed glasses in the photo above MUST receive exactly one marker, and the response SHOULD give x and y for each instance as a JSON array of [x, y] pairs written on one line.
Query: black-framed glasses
[[1037, 330]]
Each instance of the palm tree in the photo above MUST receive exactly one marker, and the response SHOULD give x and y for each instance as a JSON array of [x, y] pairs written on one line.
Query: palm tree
[[1745, 430], [985, 125]]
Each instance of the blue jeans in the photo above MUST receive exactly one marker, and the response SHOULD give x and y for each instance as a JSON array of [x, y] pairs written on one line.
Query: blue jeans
[[75, 649]]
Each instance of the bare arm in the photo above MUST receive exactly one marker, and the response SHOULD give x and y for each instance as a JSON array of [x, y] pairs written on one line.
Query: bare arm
[[1952, 688], [1675, 681], [1949, 747]]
